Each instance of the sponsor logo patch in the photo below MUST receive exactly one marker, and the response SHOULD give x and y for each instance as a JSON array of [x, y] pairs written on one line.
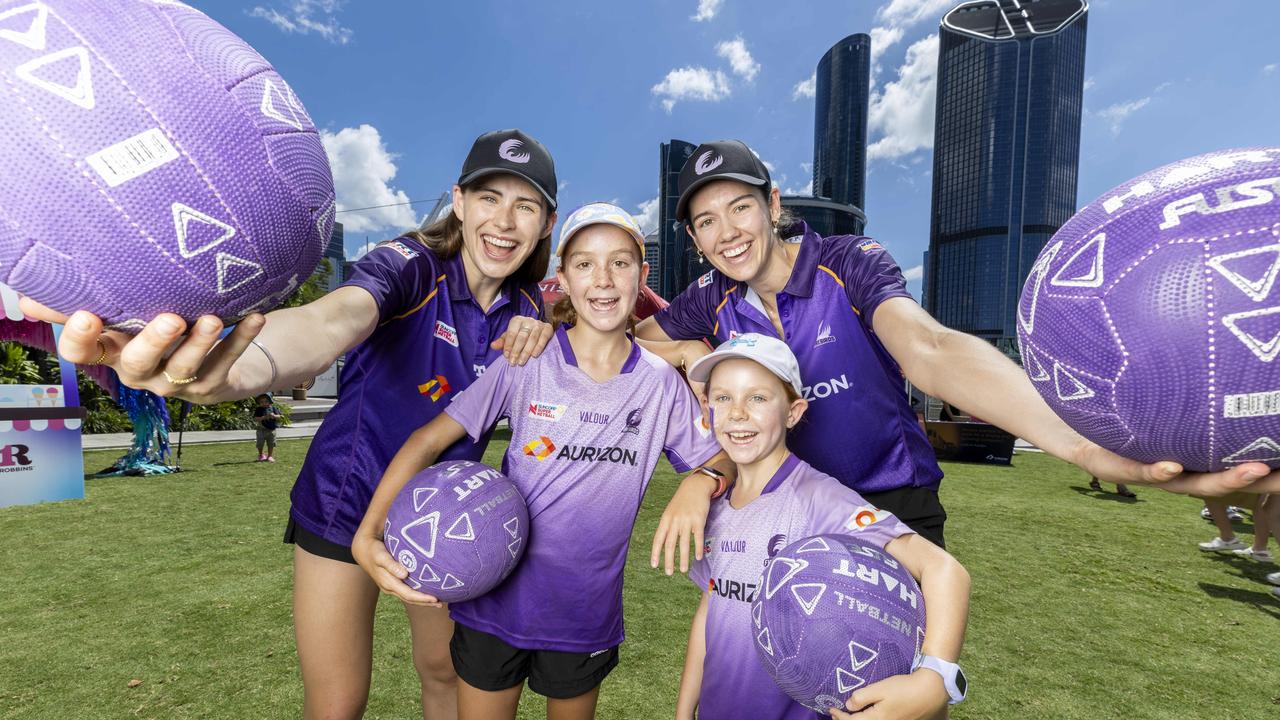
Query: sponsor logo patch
[[867, 246], [705, 280], [546, 410], [435, 389], [865, 516], [633, 422], [540, 449], [408, 252], [446, 333]]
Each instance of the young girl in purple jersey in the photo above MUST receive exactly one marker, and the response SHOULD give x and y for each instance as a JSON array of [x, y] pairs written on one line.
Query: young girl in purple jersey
[[557, 619], [753, 398]]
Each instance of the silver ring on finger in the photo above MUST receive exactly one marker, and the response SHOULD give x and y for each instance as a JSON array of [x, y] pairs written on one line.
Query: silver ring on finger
[[524, 329]]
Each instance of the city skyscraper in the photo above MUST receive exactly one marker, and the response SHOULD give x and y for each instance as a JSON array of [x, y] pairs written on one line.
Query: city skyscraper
[[677, 261], [840, 121], [1006, 154], [652, 256]]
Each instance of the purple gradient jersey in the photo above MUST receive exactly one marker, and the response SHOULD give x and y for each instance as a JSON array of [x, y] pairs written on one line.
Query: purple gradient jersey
[[798, 501], [431, 342], [859, 427], [581, 453]]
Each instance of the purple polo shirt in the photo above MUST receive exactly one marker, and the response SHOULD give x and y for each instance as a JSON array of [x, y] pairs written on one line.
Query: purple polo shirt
[[859, 428], [431, 342], [581, 453], [798, 502]]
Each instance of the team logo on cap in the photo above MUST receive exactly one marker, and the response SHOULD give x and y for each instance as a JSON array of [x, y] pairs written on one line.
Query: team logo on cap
[[707, 162], [510, 150]]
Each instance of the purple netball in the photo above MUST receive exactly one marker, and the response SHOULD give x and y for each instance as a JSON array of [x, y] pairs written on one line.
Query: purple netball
[[459, 528], [834, 615], [151, 161], [1151, 323]]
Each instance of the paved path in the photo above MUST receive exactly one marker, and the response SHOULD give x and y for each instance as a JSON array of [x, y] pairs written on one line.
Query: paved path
[[122, 441]]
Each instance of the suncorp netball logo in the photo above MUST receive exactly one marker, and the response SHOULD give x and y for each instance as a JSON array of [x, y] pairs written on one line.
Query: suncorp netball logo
[[540, 449], [435, 389], [510, 150], [707, 162]]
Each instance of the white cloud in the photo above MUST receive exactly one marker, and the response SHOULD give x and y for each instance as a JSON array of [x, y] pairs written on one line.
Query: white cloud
[[895, 18], [307, 16], [691, 83], [1088, 84], [883, 38], [707, 9], [1116, 114], [915, 273], [735, 51], [647, 215], [806, 88], [1268, 69], [362, 173], [902, 114], [805, 190]]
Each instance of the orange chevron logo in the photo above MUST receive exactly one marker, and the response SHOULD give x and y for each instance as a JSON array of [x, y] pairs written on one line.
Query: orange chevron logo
[[540, 448], [435, 389]]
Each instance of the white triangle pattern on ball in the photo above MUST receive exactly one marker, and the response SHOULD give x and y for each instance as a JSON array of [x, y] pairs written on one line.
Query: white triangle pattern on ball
[[1256, 288], [81, 94], [34, 36]]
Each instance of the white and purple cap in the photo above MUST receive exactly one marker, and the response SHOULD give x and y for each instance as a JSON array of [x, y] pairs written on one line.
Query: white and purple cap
[[772, 353], [599, 213]]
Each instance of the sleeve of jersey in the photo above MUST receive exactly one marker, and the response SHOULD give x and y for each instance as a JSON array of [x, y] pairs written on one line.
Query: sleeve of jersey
[[488, 398], [689, 443], [691, 315], [834, 508], [869, 273], [399, 274]]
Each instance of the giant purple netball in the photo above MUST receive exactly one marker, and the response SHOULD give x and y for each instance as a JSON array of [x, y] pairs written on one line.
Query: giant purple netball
[[151, 161], [1150, 322]]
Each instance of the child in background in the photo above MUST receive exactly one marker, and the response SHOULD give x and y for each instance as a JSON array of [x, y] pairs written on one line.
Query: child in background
[[266, 417], [753, 397]]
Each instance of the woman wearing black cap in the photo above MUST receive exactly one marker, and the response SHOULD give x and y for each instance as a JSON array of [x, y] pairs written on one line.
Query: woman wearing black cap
[[842, 306], [419, 319]]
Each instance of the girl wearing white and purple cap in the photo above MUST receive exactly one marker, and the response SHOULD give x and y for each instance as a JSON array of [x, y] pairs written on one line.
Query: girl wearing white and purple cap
[[753, 396], [589, 418]]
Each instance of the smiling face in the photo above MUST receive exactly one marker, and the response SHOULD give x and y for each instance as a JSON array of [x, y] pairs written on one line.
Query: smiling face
[[751, 410], [732, 224], [601, 271], [503, 219]]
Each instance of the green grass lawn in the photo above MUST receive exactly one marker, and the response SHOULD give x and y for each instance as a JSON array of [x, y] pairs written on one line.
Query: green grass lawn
[[1084, 606]]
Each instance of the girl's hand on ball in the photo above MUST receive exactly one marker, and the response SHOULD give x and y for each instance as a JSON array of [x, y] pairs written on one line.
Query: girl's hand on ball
[[917, 696], [372, 556]]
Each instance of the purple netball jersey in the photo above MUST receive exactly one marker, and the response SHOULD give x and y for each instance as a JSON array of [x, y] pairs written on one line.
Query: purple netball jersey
[[859, 428], [432, 340], [581, 453], [797, 502]]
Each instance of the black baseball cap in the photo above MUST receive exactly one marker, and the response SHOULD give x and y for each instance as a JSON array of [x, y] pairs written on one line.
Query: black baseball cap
[[513, 152], [719, 160]]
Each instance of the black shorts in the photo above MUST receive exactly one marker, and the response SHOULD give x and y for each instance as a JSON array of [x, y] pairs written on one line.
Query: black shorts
[[295, 534], [917, 507], [486, 662]]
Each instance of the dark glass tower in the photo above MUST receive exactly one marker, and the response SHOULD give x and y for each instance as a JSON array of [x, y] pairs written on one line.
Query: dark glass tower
[[677, 261], [1006, 152], [840, 122]]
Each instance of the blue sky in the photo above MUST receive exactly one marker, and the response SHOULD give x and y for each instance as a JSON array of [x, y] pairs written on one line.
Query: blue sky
[[401, 89]]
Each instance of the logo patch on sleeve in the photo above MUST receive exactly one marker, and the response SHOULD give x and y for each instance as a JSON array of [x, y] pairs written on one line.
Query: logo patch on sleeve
[[705, 280], [868, 245], [865, 516], [446, 333], [408, 252]]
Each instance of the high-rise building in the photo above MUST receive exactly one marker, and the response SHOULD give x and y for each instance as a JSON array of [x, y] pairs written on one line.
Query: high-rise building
[[840, 122], [337, 256], [677, 260], [1006, 153], [826, 217], [652, 256]]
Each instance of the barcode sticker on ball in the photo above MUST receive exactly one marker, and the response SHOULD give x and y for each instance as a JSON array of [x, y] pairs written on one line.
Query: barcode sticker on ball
[[130, 158], [1259, 404]]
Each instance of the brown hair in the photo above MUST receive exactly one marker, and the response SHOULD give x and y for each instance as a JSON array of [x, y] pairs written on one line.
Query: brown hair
[[444, 238], [563, 312]]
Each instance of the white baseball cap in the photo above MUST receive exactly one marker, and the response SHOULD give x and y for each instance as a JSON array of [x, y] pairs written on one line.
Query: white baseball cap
[[599, 213], [772, 353]]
